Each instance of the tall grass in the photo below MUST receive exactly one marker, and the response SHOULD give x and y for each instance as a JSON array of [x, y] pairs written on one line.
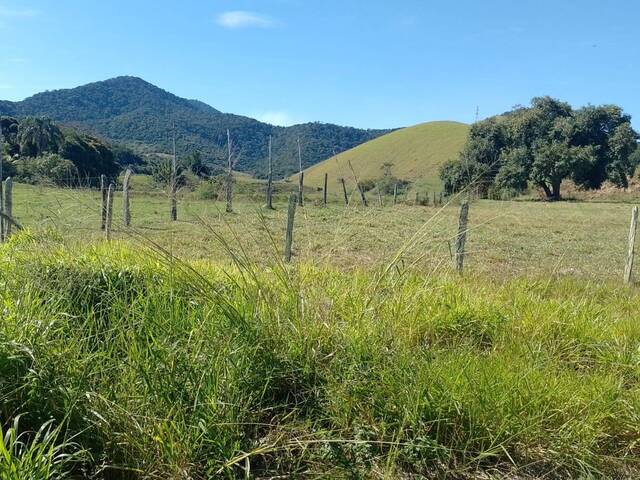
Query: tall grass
[[165, 369]]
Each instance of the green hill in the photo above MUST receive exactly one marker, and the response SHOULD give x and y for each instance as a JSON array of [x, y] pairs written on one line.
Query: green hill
[[133, 112], [416, 153]]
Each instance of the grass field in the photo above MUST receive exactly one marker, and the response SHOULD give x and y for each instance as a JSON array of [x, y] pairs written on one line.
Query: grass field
[[506, 239], [189, 351], [415, 152]]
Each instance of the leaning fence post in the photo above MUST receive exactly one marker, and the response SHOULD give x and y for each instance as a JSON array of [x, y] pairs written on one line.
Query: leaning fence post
[[362, 196], [8, 206], [461, 237], [126, 212], [628, 266], [395, 193], [344, 190], [293, 201], [379, 196], [174, 180], [103, 204], [109, 218], [270, 180], [301, 184], [324, 191]]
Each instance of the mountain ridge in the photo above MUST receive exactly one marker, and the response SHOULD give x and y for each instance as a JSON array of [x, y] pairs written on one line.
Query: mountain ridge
[[136, 113]]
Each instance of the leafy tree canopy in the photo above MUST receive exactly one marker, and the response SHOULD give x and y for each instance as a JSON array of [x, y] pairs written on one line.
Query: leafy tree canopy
[[543, 145], [36, 148]]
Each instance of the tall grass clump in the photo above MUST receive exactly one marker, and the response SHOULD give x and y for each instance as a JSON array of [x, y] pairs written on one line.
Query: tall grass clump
[[159, 368]]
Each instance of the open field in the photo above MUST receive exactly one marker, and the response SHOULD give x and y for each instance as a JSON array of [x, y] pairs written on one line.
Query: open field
[[189, 351], [506, 238]]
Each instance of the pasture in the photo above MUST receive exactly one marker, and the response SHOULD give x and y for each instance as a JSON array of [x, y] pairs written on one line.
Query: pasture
[[506, 239], [189, 350]]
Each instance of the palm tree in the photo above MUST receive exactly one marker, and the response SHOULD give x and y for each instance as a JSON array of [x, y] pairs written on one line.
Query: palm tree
[[37, 136]]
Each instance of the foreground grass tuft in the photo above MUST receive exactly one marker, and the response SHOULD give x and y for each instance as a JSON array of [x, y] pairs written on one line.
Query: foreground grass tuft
[[161, 369]]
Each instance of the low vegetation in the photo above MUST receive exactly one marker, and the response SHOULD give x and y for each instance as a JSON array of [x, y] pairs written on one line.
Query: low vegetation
[[149, 367]]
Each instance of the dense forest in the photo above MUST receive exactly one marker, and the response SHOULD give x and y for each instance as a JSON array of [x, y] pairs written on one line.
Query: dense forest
[[35, 149], [135, 113], [543, 145]]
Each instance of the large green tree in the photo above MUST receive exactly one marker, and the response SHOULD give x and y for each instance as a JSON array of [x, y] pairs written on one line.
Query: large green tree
[[543, 145], [37, 136]]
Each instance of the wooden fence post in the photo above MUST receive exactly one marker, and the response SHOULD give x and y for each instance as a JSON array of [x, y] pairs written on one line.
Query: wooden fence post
[[395, 193], [229, 177], [8, 206], [109, 218], [628, 266], [270, 180], [344, 190], [103, 204], [301, 184], [435, 201], [417, 198], [324, 191], [289, 235], [379, 196], [126, 211], [461, 237], [363, 198], [440, 198], [174, 181]]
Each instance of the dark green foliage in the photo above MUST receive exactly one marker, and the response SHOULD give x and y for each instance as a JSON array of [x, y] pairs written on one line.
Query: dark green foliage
[[634, 158], [48, 168], [544, 145], [9, 130], [195, 165], [91, 156], [37, 149], [126, 157], [37, 136], [131, 111]]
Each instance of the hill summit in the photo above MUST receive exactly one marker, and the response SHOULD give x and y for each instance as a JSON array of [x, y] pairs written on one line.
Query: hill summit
[[134, 112], [414, 154]]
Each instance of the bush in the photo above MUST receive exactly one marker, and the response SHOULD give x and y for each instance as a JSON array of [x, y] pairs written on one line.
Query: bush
[[49, 168]]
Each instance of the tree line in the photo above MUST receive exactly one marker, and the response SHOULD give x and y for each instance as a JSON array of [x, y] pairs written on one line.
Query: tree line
[[37, 149], [543, 145]]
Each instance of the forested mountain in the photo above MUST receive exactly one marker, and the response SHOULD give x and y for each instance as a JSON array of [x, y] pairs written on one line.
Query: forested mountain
[[133, 112]]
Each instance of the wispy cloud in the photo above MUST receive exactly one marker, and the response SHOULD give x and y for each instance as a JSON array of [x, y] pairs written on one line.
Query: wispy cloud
[[279, 118], [6, 86], [242, 19]]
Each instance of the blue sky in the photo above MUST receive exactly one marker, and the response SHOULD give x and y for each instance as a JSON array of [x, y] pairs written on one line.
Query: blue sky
[[366, 63]]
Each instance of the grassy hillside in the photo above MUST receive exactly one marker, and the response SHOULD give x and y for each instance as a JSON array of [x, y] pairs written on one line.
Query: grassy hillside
[[133, 112], [415, 152]]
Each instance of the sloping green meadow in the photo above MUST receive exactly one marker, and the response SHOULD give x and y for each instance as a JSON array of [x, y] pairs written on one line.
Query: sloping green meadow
[[156, 368]]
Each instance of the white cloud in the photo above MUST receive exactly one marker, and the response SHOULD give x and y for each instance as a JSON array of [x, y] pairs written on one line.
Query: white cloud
[[281, 119], [243, 19], [6, 86]]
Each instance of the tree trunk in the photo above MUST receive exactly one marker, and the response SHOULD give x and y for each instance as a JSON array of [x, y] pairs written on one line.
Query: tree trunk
[[546, 189], [555, 189]]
